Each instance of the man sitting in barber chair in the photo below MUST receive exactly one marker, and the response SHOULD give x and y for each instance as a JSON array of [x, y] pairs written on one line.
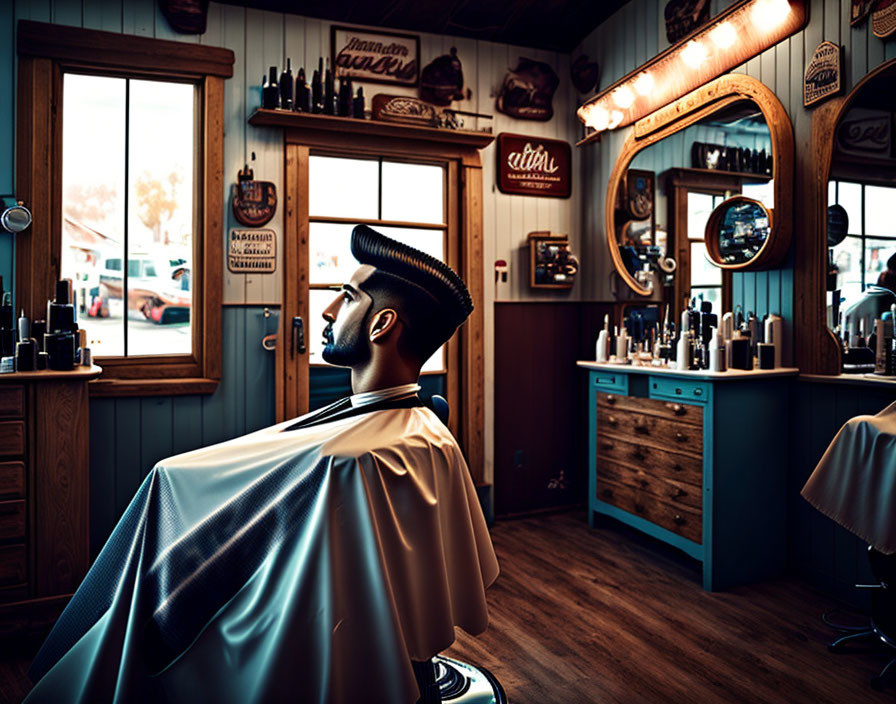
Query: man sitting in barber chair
[[325, 559]]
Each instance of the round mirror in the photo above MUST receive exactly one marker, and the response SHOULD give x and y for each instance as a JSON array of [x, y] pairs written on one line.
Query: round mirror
[[16, 218], [737, 231]]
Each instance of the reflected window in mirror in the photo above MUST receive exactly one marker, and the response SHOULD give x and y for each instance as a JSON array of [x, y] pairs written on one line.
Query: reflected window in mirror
[[706, 277]]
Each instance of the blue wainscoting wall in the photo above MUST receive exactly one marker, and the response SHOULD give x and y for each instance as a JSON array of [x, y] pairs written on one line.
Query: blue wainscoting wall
[[129, 435], [826, 555]]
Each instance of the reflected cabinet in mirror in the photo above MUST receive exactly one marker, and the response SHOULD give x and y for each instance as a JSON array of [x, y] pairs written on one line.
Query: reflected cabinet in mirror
[[851, 250], [702, 187]]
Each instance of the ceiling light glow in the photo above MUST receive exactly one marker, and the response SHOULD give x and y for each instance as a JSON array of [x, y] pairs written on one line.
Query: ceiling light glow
[[644, 83], [615, 119], [724, 35], [623, 97], [768, 14]]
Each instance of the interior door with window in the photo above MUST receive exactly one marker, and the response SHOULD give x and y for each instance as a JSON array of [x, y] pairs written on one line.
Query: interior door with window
[[407, 200]]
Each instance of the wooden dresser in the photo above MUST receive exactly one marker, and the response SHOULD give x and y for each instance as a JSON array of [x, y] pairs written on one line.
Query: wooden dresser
[[695, 459], [44, 465]]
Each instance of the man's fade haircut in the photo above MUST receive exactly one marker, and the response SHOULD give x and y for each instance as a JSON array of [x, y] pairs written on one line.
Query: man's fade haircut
[[427, 294]]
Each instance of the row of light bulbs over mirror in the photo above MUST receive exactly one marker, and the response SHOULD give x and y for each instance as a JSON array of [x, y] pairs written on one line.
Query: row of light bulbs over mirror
[[764, 15]]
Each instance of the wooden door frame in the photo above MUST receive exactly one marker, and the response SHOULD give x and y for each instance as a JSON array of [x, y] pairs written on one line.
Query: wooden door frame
[[464, 193]]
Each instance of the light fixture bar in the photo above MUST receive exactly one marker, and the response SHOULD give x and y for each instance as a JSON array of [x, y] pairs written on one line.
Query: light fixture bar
[[734, 36]]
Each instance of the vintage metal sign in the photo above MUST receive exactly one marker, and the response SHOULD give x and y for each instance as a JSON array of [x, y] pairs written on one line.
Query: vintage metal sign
[[822, 78], [254, 202], [252, 251], [375, 57], [534, 166]]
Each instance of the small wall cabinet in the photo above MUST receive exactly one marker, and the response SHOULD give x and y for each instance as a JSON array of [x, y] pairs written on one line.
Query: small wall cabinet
[[697, 460]]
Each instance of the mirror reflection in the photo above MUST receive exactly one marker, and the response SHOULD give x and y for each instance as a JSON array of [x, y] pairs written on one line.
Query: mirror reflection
[[740, 227], [861, 230], [670, 189]]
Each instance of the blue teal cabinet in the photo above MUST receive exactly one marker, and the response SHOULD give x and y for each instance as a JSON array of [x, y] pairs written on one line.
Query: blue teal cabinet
[[697, 460]]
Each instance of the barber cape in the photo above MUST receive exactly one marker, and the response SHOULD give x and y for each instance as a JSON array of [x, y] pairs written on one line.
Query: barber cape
[[306, 562], [855, 481]]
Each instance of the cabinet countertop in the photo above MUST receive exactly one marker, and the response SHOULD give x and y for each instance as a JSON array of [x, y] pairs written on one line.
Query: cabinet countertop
[[86, 373], [730, 375]]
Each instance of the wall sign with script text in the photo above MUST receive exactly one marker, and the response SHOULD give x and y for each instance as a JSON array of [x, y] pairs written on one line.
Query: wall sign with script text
[[375, 57], [534, 166], [252, 251], [822, 79]]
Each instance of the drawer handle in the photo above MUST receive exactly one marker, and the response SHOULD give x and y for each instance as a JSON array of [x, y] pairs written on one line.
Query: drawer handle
[[611, 420], [679, 519], [639, 454], [606, 446], [642, 429], [643, 483], [607, 493], [639, 508], [676, 408], [611, 399], [678, 391], [681, 437], [698, 392], [679, 493], [677, 467]]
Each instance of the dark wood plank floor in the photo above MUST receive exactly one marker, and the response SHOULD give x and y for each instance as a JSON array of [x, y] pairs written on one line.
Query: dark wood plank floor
[[607, 615], [582, 616]]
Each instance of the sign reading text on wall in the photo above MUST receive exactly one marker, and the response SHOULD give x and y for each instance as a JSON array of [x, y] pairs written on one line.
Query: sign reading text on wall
[[252, 251], [375, 57], [822, 79], [534, 166]]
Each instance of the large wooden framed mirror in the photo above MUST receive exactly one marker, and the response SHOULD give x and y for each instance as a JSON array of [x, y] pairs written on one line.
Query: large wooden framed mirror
[[730, 137], [850, 233]]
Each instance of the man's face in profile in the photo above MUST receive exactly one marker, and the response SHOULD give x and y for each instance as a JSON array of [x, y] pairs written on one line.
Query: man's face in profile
[[345, 337]]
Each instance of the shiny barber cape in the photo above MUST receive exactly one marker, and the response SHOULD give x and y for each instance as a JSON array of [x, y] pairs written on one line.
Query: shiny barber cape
[[302, 565]]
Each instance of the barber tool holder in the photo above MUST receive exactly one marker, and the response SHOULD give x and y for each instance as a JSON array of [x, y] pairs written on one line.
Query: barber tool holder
[[882, 626]]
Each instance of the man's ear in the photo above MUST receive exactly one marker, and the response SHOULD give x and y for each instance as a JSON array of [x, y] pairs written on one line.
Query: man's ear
[[382, 324]]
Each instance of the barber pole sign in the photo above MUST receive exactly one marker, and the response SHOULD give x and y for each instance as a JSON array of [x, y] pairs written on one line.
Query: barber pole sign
[[534, 166]]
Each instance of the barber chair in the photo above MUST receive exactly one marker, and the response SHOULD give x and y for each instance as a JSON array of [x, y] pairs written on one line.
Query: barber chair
[[444, 679], [882, 628]]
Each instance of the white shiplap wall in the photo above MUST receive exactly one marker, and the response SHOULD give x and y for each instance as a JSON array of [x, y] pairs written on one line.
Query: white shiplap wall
[[260, 39]]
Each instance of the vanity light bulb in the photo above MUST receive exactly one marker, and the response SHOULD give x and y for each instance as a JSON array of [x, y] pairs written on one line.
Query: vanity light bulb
[[599, 118], [615, 118], [623, 97], [768, 14], [724, 35], [693, 54], [644, 84]]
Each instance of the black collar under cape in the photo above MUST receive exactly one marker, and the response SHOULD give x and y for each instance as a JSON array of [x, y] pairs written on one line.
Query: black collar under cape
[[343, 408]]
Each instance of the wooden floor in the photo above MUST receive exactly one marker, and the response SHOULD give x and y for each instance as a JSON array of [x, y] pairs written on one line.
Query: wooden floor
[[581, 616]]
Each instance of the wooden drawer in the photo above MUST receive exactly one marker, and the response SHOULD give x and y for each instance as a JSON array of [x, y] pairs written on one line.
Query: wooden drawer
[[12, 401], [609, 381], [12, 480], [684, 412], [676, 493], [12, 520], [13, 567], [679, 519], [12, 438], [673, 466], [650, 430]]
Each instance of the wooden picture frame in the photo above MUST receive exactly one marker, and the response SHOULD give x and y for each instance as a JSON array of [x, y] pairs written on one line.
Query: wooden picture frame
[[375, 56], [540, 259]]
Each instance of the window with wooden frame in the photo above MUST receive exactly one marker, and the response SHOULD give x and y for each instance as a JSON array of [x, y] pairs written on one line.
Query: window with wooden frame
[[120, 158]]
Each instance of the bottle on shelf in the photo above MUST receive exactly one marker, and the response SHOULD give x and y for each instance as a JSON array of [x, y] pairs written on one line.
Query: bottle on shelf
[[270, 94], [287, 87]]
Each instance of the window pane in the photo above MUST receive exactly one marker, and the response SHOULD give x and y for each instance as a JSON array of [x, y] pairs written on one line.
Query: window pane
[[876, 254], [160, 219], [850, 197], [329, 253], [713, 295], [848, 258], [93, 185], [700, 205], [413, 192], [703, 271], [763, 192], [879, 211], [345, 188], [430, 241]]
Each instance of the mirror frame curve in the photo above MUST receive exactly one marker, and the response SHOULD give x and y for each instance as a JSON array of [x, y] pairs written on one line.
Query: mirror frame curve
[[693, 107], [816, 348]]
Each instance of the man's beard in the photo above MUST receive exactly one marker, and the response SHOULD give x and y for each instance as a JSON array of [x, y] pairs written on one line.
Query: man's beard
[[351, 350]]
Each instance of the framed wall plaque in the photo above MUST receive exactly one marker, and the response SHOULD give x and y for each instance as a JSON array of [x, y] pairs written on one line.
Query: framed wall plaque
[[252, 251], [858, 13], [375, 56], [822, 77], [534, 166]]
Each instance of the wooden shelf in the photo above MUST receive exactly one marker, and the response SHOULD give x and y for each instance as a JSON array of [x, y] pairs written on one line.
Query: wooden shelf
[[327, 123], [78, 373]]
